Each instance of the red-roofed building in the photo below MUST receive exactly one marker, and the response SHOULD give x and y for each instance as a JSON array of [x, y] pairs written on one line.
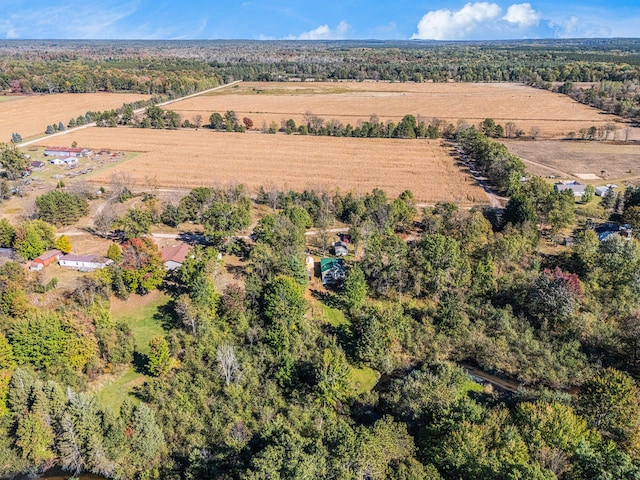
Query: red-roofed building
[[47, 258], [174, 256]]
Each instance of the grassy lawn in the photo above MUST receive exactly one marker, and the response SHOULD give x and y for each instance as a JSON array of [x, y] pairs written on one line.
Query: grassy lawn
[[364, 379], [115, 390], [471, 386], [333, 316], [6, 98], [140, 313]]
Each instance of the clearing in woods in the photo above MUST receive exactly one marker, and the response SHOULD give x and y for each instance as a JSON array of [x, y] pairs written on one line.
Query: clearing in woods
[[30, 115], [192, 158], [555, 115]]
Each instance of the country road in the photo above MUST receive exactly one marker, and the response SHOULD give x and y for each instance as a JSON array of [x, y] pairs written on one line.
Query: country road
[[138, 111]]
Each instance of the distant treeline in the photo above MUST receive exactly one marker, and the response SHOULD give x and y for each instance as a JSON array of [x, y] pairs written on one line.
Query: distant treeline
[[184, 67]]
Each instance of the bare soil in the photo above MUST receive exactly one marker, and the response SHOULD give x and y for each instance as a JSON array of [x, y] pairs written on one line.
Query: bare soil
[[609, 161]]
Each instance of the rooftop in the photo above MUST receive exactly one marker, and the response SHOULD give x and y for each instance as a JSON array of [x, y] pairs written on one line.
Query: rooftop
[[176, 253]]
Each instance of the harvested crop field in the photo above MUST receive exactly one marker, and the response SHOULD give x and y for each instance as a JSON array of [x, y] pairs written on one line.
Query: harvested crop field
[[578, 159], [555, 115], [30, 115], [193, 158]]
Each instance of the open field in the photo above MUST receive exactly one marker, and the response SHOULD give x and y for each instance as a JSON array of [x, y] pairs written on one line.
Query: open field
[[30, 116], [555, 115], [192, 158], [574, 159]]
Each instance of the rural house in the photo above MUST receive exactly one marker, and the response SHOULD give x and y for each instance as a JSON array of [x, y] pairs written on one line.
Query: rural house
[[332, 271], [174, 256], [575, 187], [83, 263], [47, 258]]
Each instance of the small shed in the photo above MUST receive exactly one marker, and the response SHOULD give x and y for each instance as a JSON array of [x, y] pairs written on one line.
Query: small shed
[[310, 265], [332, 271], [57, 161], [174, 256], [36, 165], [601, 191], [340, 249], [84, 262], [47, 258]]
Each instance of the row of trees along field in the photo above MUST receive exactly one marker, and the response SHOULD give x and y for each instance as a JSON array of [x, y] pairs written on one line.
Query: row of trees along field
[[258, 380], [178, 68]]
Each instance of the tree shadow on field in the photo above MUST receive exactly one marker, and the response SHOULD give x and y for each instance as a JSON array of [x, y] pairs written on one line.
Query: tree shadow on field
[[166, 315], [330, 299], [140, 363]]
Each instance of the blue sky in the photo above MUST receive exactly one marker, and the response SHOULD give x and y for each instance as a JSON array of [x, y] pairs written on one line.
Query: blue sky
[[317, 20]]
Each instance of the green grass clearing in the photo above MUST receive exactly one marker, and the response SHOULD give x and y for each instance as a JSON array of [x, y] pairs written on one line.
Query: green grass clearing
[[142, 322], [114, 392], [140, 313], [471, 386], [364, 379], [6, 98], [333, 316]]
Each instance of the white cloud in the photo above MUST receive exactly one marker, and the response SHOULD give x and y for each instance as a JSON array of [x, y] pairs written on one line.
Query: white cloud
[[324, 32], [576, 27], [480, 20], [522, 15], [445, 24]]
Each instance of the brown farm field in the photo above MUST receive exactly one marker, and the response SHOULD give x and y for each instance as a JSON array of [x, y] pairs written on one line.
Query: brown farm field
[[30, 115], [191, 158], [555, 115], [573, 159]]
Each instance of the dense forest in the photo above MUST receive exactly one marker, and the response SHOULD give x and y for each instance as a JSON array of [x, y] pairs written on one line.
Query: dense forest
[[180, 68], [254, 380]]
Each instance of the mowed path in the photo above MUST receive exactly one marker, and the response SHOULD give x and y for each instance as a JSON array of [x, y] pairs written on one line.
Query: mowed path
[[190, 158]]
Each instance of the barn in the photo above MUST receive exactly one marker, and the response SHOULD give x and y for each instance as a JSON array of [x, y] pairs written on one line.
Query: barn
[[47, 258], [83, 262]]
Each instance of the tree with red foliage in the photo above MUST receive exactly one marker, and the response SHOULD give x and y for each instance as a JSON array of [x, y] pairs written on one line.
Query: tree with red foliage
[[554, 297], [248, 123], [142, 266]]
